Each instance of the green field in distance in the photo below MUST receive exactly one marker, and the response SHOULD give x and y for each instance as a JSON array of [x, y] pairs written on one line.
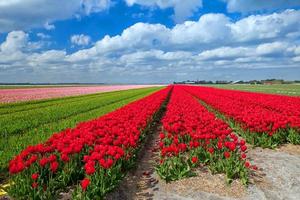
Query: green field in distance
[[284, 89]]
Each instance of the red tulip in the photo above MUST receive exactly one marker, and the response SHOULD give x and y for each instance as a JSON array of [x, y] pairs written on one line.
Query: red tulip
[[85, 183], [244, 148], [34, 176], [53, 166], [243, 156], [227, 154], [247, 164], [34, 185], [211, 150], [194, 159]]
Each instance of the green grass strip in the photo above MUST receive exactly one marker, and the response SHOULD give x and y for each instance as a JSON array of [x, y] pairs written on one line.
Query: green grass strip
[[283, 89]]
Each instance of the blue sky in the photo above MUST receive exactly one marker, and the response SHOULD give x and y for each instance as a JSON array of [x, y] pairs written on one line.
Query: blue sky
[[148, 41]]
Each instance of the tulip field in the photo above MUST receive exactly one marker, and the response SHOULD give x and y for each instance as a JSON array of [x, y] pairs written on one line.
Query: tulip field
[[86, 145]]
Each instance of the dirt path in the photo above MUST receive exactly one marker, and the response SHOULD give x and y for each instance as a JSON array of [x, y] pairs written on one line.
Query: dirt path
[[282, 173], [140, 183]]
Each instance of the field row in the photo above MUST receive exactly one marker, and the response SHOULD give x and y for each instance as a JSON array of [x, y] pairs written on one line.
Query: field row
[[263, 119], [191, 135]]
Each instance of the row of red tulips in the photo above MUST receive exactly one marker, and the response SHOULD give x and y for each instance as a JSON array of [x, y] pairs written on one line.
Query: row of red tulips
[[97, 152], [284, 105], [262, 118], [191, 136]]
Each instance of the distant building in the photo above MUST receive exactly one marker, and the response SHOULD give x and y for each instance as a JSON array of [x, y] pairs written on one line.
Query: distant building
[[272, 81], [254, 82], [185, 82], [223, 82], [204, 82], [190, 82]]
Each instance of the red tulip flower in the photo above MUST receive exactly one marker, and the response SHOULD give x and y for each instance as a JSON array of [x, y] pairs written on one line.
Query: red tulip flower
[[85, 183], [227, 154], [194, 159], [34, 176]]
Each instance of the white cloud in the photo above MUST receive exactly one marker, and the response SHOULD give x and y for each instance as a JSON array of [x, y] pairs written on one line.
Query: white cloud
[[245, 6], [138, 36], [182, 10], [196, 44], [84, 55], [209, 28], [150, 55], [23, 15], [48, 26], [43, 36], [213, 41], [80, 40], [93, 6], [296, 59], [253, 52], [11, 50], [226, 52], [272, 48], [48, 57], [297, 50], [15, 41], [210, 31], [267, 26]]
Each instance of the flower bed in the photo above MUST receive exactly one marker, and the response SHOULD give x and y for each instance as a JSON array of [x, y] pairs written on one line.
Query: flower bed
[[97, 152], [263, 123], [191, 136]]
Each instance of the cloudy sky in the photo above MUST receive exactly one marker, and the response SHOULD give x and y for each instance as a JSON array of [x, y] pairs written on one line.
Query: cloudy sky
[[148, 41]]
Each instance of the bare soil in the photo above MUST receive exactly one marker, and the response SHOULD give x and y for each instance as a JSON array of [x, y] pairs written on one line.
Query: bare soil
[[290, 149]]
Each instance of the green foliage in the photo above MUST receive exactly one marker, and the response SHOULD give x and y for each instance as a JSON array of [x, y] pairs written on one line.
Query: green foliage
[[264, 140], [293, 136], [233, 167], [175, 168], [283, 89], [178, 167]]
